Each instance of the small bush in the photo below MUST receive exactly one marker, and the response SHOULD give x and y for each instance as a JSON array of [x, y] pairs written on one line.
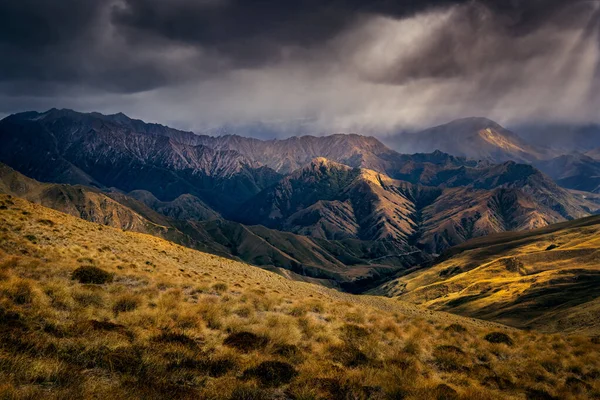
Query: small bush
[[498, 337], [245, 341], [91, 275], [577, 385], [220, 287], [498, 382], [126, 303], [272, 373]]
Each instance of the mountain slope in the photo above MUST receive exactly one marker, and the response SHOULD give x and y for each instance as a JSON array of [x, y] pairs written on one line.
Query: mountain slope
[[304, 201], [184, 207], [474, 138], [349, 263], [290, 154], [80, 201], [332, 201], [400, 200], [170, 322], [564, 138], [545, 279], [573, 171], [68, 147]]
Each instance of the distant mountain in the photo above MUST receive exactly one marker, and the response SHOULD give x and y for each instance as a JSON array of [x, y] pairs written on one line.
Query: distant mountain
[[545, 279], [594, 153], [184, 207], [474, 138], [92, 149], [564, 138], [287, 155], [574, 171]]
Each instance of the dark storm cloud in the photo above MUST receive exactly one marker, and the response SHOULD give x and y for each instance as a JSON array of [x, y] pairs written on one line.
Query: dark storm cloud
[[345, 64], [98, 42], [251, 33]]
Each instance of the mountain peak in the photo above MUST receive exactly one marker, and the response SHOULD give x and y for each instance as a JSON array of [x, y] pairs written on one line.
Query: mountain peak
[[474, 122], [476, 138]]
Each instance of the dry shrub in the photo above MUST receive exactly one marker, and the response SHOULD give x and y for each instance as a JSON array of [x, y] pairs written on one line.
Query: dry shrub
[[213, 366], [272, 373], [245, 341], [220, 287], [499, 338], [60, 297], [354, 333], [126, 303], [449, 358], [348, 355], [91, 275], [281, 329]]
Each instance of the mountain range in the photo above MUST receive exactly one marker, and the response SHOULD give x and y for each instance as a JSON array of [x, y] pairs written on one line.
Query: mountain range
[[343, 209]]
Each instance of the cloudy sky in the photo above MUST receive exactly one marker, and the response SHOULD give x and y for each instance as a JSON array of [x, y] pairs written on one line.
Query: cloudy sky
[[325, 65]]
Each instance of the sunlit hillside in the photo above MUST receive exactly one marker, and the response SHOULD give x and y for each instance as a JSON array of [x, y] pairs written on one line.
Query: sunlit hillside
[[89, 311], [545, 279]]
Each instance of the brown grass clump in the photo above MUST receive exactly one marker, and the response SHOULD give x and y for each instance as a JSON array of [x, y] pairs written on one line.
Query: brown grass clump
[[177, 323], [126, 303], [91, 275], [272, 373], [245, 341], [499, 337]]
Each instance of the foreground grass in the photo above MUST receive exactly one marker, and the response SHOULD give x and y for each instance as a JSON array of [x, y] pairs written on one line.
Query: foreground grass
[[88, 311]]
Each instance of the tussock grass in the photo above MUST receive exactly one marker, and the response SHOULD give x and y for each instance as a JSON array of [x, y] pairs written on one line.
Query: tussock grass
[[177, 323]]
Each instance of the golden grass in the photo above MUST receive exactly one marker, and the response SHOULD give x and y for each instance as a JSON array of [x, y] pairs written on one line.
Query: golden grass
[[177, 323], [547, 280]]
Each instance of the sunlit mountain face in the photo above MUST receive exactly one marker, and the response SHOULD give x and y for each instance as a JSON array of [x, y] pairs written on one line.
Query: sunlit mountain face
[[269, 200]]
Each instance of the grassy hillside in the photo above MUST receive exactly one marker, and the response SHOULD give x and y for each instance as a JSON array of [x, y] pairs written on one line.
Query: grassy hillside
[[89, 311], [546, 279], [350, 263]]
